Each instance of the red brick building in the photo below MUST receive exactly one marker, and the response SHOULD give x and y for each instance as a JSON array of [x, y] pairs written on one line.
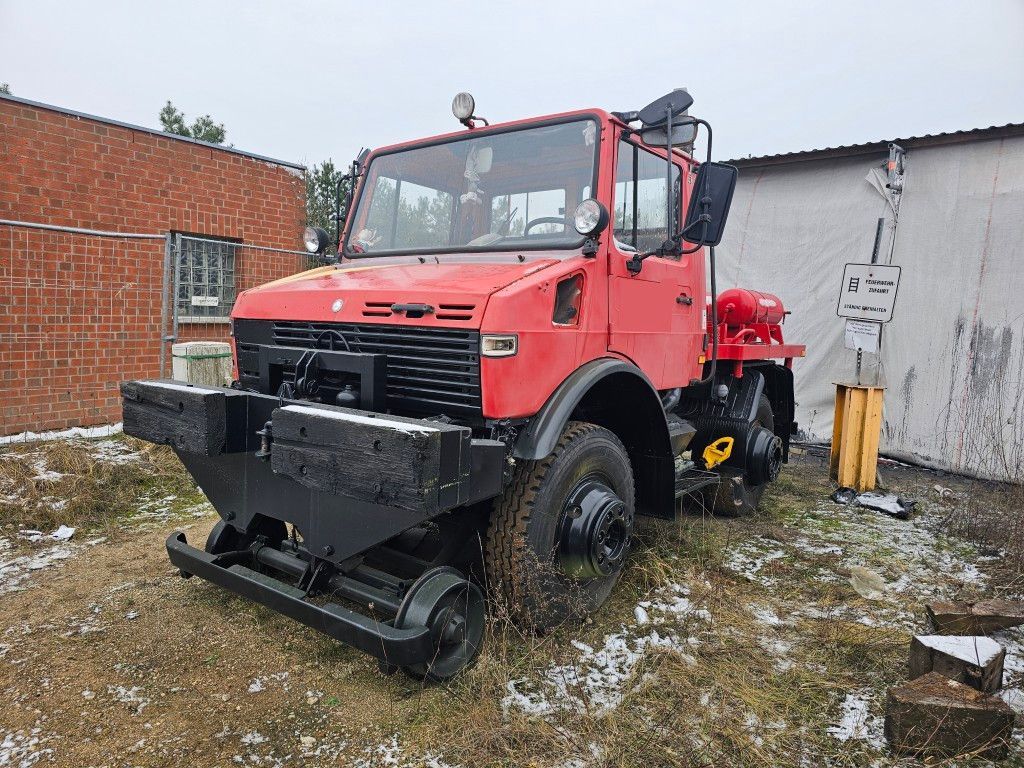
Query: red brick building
[[107, 231]]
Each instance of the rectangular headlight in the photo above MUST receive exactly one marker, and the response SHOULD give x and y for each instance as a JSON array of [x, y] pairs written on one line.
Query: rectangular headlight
[[498, 345]]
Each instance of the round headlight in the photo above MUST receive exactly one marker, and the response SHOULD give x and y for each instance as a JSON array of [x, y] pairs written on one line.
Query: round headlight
[[590, 217], [463, 106], [315, 239]]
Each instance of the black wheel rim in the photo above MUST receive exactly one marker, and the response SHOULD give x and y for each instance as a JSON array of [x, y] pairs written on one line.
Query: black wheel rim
[[596, 527]]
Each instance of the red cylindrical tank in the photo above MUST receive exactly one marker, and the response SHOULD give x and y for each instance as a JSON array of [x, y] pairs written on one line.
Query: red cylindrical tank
[[742, 306]]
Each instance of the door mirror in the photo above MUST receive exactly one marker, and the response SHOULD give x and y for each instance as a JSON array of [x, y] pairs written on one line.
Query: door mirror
[[709, 203]]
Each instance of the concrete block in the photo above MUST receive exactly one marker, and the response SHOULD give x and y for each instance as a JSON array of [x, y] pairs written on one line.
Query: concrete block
[[206, 363]]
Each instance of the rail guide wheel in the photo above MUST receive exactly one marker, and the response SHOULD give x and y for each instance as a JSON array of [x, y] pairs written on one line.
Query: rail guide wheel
[[444, 600]]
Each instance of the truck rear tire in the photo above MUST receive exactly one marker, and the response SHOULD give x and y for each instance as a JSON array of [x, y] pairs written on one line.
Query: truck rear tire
[[559, 535], [735, 496]]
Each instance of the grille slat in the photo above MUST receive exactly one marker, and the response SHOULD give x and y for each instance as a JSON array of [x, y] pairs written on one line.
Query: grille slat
[[429, 370]]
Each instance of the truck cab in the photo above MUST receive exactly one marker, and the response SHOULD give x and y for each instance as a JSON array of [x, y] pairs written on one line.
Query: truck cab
[[514, 345]]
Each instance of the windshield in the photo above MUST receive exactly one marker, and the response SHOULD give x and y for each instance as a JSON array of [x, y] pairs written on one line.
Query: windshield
[[510, 190]]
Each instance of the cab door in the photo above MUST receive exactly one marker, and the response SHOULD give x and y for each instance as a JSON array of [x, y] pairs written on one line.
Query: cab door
[[654, 316]]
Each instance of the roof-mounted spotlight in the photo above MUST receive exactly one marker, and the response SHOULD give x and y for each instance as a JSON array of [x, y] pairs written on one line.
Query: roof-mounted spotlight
[[462, 107]]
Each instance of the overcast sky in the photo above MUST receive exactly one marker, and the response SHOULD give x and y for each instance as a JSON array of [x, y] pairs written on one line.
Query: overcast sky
[[307, 80]]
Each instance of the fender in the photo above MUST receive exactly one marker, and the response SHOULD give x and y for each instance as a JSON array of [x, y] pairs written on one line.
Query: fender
[[544, 429], [618, 396]]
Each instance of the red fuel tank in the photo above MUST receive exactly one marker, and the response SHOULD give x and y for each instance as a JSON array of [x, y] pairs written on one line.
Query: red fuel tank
[[742, 306]]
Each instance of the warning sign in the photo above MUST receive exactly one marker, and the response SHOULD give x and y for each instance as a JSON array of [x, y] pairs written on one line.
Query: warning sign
[[868, 292], [862, 336]]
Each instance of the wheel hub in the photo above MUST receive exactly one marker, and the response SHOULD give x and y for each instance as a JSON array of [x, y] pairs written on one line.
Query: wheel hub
[[596, 528]]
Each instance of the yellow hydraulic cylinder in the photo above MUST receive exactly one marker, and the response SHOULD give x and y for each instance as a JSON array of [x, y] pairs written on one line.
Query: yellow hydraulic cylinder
[[855, 434]]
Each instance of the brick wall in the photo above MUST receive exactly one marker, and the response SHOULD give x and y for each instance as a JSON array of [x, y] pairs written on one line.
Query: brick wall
[[81, 313]]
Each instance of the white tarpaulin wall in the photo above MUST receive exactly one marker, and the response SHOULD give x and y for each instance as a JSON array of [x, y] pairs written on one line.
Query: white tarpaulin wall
[[953, 355]]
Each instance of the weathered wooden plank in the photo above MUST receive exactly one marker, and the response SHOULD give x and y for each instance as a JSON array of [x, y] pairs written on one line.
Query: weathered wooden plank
[[387, 460], [974, 661], [936, 716], [187, 417]]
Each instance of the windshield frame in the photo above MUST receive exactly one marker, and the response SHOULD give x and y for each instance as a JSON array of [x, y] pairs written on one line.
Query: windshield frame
[[473, 134]]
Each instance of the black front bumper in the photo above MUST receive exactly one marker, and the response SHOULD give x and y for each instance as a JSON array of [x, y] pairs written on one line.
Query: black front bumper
[[399, 647], [348, 481]]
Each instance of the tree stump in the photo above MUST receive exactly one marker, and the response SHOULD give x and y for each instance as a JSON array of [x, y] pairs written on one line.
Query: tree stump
[[974, 661], [936, 716], [980, 618]]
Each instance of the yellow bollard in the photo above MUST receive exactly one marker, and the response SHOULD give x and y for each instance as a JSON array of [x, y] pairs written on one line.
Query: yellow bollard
[[855, 434]]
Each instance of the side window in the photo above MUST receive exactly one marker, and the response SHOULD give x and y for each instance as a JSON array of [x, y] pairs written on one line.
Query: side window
[[639, 217]]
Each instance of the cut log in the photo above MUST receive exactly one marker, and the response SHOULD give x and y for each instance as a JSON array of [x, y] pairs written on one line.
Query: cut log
[[934, 715], [974, 661], [980, 618]]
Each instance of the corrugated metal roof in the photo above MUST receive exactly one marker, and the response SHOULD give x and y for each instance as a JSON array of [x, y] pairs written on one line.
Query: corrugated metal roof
[[144, 129], [881, 146]]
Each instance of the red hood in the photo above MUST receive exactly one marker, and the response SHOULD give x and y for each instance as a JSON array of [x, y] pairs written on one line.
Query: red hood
[[457, 292]]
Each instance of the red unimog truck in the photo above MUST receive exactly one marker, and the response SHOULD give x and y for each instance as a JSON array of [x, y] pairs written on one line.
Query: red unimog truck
[[512, 355]]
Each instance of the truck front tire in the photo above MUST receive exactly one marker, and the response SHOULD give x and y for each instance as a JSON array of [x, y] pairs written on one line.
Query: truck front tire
[[559, 535]]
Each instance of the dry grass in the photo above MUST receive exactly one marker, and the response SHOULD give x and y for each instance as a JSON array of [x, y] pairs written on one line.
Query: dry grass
[[746, 692], [67, 482]]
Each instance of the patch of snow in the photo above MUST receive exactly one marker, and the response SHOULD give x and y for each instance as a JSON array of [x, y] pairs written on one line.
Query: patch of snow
[[62, 434], [749, 559], [15, 572], [114, 452], [601, 677], [974, 650], [390, 754], [24, 749], [131, 696], [355, 418], [64, 533], [817, 549], [47, 475], [259, 684], [857, 722], [254, 738], [765, 615], [779, 649]]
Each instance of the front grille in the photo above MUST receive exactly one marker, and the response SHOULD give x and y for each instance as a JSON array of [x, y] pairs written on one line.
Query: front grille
[[429, 370]]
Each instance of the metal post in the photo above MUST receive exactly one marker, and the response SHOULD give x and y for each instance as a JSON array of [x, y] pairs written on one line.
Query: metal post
[[163, 304], [878, 239], [668, 173], [176, 283]]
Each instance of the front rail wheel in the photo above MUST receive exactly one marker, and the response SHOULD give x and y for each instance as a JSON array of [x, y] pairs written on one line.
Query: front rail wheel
[[559, 535], [739, 492], [453, 609]]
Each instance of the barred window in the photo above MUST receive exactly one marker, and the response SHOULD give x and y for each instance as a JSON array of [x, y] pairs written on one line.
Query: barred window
[[205, 278]]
